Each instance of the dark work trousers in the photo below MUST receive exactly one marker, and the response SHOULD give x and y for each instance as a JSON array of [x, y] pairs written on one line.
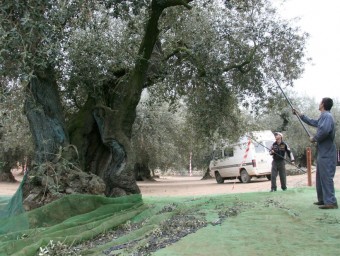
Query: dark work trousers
[[325, 171], [278, 167]]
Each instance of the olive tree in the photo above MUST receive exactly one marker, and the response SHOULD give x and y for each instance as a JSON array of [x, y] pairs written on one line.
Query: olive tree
[[15, 140]]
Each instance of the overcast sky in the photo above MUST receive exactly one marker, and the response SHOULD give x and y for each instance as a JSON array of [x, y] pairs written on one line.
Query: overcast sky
[[321, 19]]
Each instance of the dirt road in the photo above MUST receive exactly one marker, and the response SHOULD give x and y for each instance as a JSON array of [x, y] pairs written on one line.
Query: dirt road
[[190, 186]]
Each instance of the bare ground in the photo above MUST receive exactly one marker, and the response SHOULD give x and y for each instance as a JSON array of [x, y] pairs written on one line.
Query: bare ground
[[191, 186], [9, 188], [194, 186]]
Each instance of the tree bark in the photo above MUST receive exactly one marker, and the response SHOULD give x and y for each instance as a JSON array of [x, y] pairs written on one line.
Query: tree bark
[[141, 169], [206, 175], [6, 166], [103, 148], [54, 171], [44, 113]]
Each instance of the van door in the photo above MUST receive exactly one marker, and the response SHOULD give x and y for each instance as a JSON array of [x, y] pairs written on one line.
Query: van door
[[216, 162], [229, 166], [262, 156]]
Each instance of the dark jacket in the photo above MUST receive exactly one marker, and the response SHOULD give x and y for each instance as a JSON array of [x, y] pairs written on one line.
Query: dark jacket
[[280, 151]]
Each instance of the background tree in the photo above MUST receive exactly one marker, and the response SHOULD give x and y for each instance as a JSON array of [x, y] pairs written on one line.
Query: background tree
[[156, 131], [15, 141], [336, 113], [164, 139]]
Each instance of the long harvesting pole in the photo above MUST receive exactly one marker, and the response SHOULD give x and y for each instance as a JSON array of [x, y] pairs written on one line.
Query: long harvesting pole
[[304, 127]]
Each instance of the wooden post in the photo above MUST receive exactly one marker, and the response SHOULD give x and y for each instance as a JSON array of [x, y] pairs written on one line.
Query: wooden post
[[190, 167], [309, 166]]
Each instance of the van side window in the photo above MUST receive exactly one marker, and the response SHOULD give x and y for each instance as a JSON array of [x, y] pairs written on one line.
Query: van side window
[[268, 144], [263, 147], [217, 154], [228, 152]]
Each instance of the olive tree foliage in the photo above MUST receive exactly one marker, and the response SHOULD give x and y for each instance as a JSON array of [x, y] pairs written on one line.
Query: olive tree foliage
[[245, 45], [15, 140], [86, 64]]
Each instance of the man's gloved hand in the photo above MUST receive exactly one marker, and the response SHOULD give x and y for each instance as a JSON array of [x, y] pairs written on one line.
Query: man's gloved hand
[[311, 138], [295, 112]]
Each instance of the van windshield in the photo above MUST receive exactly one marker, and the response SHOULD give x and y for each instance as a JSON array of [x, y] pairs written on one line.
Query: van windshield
[[263, 147]]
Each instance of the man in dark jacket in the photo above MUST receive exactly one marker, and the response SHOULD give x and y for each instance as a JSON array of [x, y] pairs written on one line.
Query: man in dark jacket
[[278, 151], [326, 154]]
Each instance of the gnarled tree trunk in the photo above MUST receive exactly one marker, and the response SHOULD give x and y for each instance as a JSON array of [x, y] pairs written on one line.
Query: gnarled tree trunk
[[54, 169], [103, 148]]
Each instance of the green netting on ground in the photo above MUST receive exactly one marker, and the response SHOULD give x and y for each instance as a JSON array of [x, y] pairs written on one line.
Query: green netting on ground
[[281, 223], [11, 207], [261, 223], [70, 220]]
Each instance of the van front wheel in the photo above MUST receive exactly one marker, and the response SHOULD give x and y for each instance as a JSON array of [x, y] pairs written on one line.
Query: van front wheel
[[245, 178], [219, 178]]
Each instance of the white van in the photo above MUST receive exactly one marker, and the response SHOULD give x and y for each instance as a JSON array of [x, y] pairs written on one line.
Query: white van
[[247, 158]]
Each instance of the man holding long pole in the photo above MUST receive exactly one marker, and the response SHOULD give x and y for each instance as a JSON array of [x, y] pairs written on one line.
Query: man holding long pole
[[278, 151], [326, 154]]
